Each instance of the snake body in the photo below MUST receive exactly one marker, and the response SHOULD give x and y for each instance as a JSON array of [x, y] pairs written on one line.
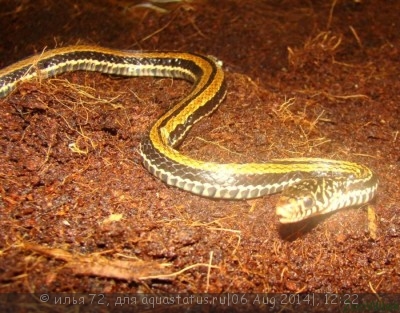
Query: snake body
[[311, 186]]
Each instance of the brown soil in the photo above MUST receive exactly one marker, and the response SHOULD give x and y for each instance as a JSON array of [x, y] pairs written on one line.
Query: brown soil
[[305, 78]]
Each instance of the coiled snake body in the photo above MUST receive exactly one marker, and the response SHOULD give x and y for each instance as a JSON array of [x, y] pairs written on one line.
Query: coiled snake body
[[310, 186]]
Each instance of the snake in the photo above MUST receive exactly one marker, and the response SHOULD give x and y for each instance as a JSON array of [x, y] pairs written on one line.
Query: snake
[[309, 186]]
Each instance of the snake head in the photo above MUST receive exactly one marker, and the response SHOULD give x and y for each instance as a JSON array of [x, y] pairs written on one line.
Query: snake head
[[300, 201]]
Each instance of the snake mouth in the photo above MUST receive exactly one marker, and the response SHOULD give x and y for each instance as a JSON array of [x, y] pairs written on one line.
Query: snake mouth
[[284, 210], [289, 210]]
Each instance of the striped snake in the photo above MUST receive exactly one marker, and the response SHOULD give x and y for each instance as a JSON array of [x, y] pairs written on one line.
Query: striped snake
[[310, 186]]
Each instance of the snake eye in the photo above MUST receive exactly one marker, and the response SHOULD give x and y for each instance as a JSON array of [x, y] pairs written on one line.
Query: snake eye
[[308, 202]]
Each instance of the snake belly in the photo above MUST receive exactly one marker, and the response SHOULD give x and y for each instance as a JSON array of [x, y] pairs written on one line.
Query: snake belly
[[310, 186]]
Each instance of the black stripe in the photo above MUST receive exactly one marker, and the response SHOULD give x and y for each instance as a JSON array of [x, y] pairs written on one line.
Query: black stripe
[[226, 182], [207, 107]]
